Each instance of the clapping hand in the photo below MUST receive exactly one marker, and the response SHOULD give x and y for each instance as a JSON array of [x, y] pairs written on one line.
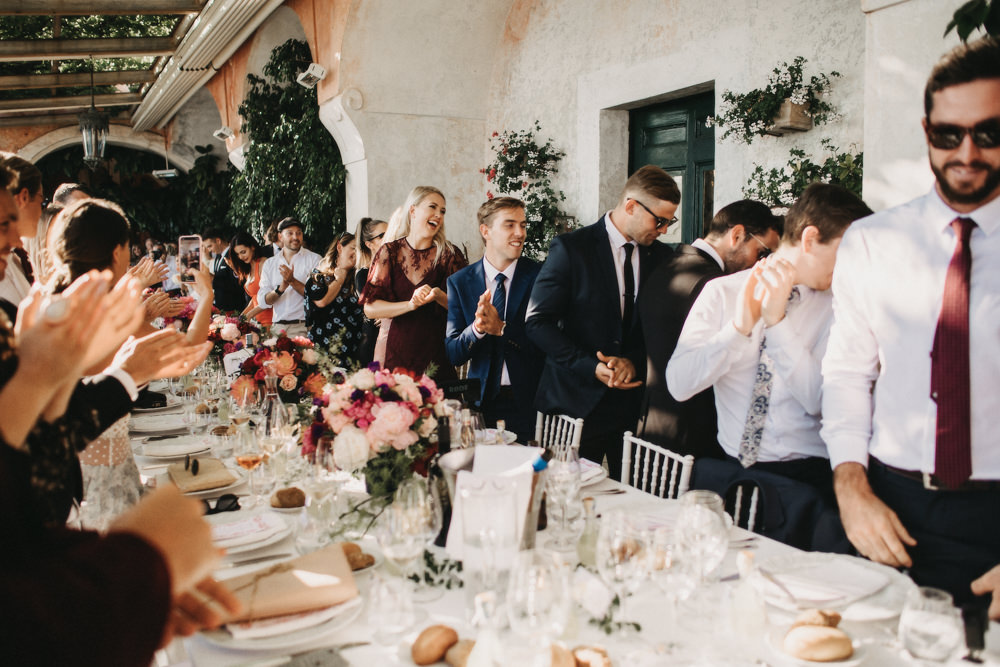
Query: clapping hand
[[421, 296], [166, 353], [149, 272], [748, 305], [776, 282], [287, 274], [487, 318], [124, 313], [203, 284], [616, 372]]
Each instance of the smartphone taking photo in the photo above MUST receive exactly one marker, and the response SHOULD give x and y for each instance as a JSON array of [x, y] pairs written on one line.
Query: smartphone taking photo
[[188, 256]]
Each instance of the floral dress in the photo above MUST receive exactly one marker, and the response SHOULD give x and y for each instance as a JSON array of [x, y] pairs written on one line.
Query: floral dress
[[415, 339], [341, 316]]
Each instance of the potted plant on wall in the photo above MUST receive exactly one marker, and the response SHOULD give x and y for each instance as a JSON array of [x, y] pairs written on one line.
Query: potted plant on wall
[[787, 103]]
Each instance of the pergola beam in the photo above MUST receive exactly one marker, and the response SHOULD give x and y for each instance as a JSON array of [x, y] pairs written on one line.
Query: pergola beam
[[83, 7], [69, 102], [69, 49], [23, 81], [39, 120]]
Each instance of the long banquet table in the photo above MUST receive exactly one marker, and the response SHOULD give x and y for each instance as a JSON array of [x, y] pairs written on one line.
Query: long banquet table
[[704, 636]]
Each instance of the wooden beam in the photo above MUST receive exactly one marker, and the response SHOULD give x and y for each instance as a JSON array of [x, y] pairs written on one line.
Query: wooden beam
[[69, 49], [83, 7], [22, 81], [39, 120], [70, 102]]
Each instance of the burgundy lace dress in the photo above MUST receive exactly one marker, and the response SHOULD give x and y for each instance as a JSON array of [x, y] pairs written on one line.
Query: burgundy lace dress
[[416, 339]]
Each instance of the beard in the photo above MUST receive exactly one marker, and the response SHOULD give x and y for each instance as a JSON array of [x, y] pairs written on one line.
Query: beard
[[966, 196]]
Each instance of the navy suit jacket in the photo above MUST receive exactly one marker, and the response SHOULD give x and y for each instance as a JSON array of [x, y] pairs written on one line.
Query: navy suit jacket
[[229, 292], [523, 358], [575, 311]]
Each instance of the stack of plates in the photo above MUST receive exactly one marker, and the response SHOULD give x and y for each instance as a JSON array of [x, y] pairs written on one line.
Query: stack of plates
[[286, 632], [157, 424], [241, 533], [174, 448], [591, 473]]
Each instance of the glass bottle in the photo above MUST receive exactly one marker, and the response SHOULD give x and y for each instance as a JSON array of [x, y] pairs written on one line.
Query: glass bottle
[[468, 433], [586, 548], [275, 415]]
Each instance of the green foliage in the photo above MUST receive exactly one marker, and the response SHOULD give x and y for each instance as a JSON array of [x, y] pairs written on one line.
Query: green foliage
[[778, 188], [166, 209], [293, 166], [748, 115], [976, 15], [522, 168]]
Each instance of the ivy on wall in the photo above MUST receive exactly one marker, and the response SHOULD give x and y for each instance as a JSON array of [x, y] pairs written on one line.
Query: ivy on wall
[[293, 166]]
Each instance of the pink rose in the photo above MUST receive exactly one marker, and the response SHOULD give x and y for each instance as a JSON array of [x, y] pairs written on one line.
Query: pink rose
[[302, 341], [230, 332], [288, 383], [392, 426]]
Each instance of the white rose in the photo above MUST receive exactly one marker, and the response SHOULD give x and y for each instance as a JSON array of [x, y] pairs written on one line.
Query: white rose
[[350, 448], [427, 427], [309, 356], [364, 380], [230, 332], [270, 342]]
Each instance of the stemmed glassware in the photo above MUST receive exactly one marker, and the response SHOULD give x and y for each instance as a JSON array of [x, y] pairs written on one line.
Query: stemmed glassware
[[425, 511], [248, 454], [538, 599], [562, 484], [703, 531], [930, 626], [621, 561], [400, 531], [671, 570]]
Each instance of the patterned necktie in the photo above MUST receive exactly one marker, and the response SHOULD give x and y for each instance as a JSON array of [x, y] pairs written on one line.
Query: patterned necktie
[[760, 399], [629, 292], [496, 354], [950, 367]]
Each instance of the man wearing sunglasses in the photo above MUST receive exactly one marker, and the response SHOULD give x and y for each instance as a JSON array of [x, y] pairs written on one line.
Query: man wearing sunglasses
[[916, 462], [740, 234], [582, 314]]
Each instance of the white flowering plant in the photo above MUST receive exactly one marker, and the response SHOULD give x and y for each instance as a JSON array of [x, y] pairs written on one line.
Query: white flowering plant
[[745, 116], [778, 187], [380, 422]]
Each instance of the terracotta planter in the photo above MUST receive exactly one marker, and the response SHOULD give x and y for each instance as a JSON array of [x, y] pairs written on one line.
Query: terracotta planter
[[790, 118]]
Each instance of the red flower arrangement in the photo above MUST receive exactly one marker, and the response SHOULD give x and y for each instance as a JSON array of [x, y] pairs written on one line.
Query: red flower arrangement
[[296, 362]]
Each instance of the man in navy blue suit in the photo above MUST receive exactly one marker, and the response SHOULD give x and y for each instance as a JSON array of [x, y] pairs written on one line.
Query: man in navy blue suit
[[583, 316], [487, 301]]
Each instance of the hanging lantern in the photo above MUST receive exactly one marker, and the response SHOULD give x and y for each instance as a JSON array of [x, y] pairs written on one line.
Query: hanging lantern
[[94, 128]]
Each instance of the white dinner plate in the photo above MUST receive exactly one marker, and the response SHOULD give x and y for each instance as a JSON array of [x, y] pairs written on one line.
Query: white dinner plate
[[273, 535], [490, 435], [291, 640], [775, 641], [173, 448]]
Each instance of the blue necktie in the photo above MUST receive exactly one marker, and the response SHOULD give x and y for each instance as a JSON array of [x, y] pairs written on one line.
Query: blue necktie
[[496, 355]]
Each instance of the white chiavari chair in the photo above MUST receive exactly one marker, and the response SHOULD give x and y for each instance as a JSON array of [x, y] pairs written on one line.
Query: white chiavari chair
[[654, 469], [558, 431]]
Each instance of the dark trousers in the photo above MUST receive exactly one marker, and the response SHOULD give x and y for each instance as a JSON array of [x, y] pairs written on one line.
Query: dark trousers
[[814, 471], [957, 532], [604, 427], [519, 418]]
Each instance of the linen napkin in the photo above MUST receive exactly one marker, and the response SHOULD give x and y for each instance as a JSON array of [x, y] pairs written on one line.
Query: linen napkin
[[589, 471], [247, 530], [283, 625], [317, 580], [835, 580], [212, 474]]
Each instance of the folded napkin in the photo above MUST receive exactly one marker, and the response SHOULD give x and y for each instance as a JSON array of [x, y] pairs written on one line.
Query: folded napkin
[[589, 471], [247, 530], [174, 447], [829, 580], [212, 474], [283, 625], [317, 580]]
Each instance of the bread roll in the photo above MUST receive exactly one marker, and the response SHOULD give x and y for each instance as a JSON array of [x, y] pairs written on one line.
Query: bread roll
[[288, 498], [458, 655], [350, 548], [562, 657], [818, 643], [432, 644], [591, 656], [360, 560], [826, 617]]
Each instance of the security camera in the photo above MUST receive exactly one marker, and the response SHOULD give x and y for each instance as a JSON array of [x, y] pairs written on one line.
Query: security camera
[[223, 133], [313, 75], [165, 173]]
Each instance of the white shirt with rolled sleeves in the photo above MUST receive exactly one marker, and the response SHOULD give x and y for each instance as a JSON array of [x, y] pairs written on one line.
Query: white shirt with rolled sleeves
[[712, 353], [888, 285], [290, 306]]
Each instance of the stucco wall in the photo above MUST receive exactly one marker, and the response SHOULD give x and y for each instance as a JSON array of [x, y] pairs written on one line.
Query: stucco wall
[[578, 66]]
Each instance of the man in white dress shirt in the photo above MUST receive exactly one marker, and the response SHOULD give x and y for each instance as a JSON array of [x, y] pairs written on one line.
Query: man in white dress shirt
[[916, 461], [758, 337], [283, 279]]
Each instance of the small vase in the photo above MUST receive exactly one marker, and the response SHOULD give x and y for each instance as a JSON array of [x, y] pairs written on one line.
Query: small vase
[[791, 117]]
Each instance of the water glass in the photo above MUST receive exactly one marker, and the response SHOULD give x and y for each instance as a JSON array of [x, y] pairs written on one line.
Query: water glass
[[489, 534], [562, 484], [930, 626], [538, 597], [416, 497], [703, 532], [621, 559], [390, 610]]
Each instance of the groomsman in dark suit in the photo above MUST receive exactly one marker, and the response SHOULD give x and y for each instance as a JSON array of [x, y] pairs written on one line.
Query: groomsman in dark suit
[[229, 292], [487, 301], [739, 235], [582, 314]]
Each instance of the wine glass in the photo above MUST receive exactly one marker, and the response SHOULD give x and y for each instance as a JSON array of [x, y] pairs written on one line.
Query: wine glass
[[538, 598], [930, 626], [249, 456], [415, 495], [400, 533], [621, 562], [671, 570], [562, 484], [703, 531]]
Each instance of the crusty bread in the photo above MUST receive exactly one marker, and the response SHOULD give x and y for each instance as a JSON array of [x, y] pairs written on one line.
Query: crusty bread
[[350, 548], [562, 657], [360, 560], [458, 654], [827, 617], [431, 645], [818, 643], [591, 656]]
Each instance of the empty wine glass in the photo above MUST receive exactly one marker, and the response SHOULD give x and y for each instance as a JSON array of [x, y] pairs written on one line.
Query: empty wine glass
[[621, 561], [538, 599], [562, 484], [400, 532], [703, 532], [670, 570], [425, 510]]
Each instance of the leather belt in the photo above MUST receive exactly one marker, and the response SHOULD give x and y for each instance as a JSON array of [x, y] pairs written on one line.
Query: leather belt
[[290, 322], [930, 481]]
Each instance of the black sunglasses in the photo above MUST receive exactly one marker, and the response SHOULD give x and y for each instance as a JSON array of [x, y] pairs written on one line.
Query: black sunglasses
[[660, 222], [226, 503], [948, 137]]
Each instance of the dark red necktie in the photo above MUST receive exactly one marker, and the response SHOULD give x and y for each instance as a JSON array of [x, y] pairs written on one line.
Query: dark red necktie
[[950, 367]]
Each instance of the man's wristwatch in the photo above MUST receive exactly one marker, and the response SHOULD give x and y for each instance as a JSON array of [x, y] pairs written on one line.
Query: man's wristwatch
[[279, 291]]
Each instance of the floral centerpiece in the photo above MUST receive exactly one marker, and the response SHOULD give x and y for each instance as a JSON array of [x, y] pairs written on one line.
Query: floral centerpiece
[[228, 333], [296, 361], [380, 423]]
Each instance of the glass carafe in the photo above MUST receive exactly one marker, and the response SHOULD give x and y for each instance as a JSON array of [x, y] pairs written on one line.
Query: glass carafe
[[275, 415]]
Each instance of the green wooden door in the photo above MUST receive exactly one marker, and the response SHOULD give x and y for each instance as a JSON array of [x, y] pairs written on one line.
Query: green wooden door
[[672, 135]]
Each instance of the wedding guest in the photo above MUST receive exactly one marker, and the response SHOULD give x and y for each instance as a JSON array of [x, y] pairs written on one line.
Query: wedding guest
[[406, 284], [370, 233], [273, 238], [487, 302], [758, 337], [26, 188], [229, 293], [739, 235], [332, 308], [582, 314], [911, 396], [247, 261], [283, 279]]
